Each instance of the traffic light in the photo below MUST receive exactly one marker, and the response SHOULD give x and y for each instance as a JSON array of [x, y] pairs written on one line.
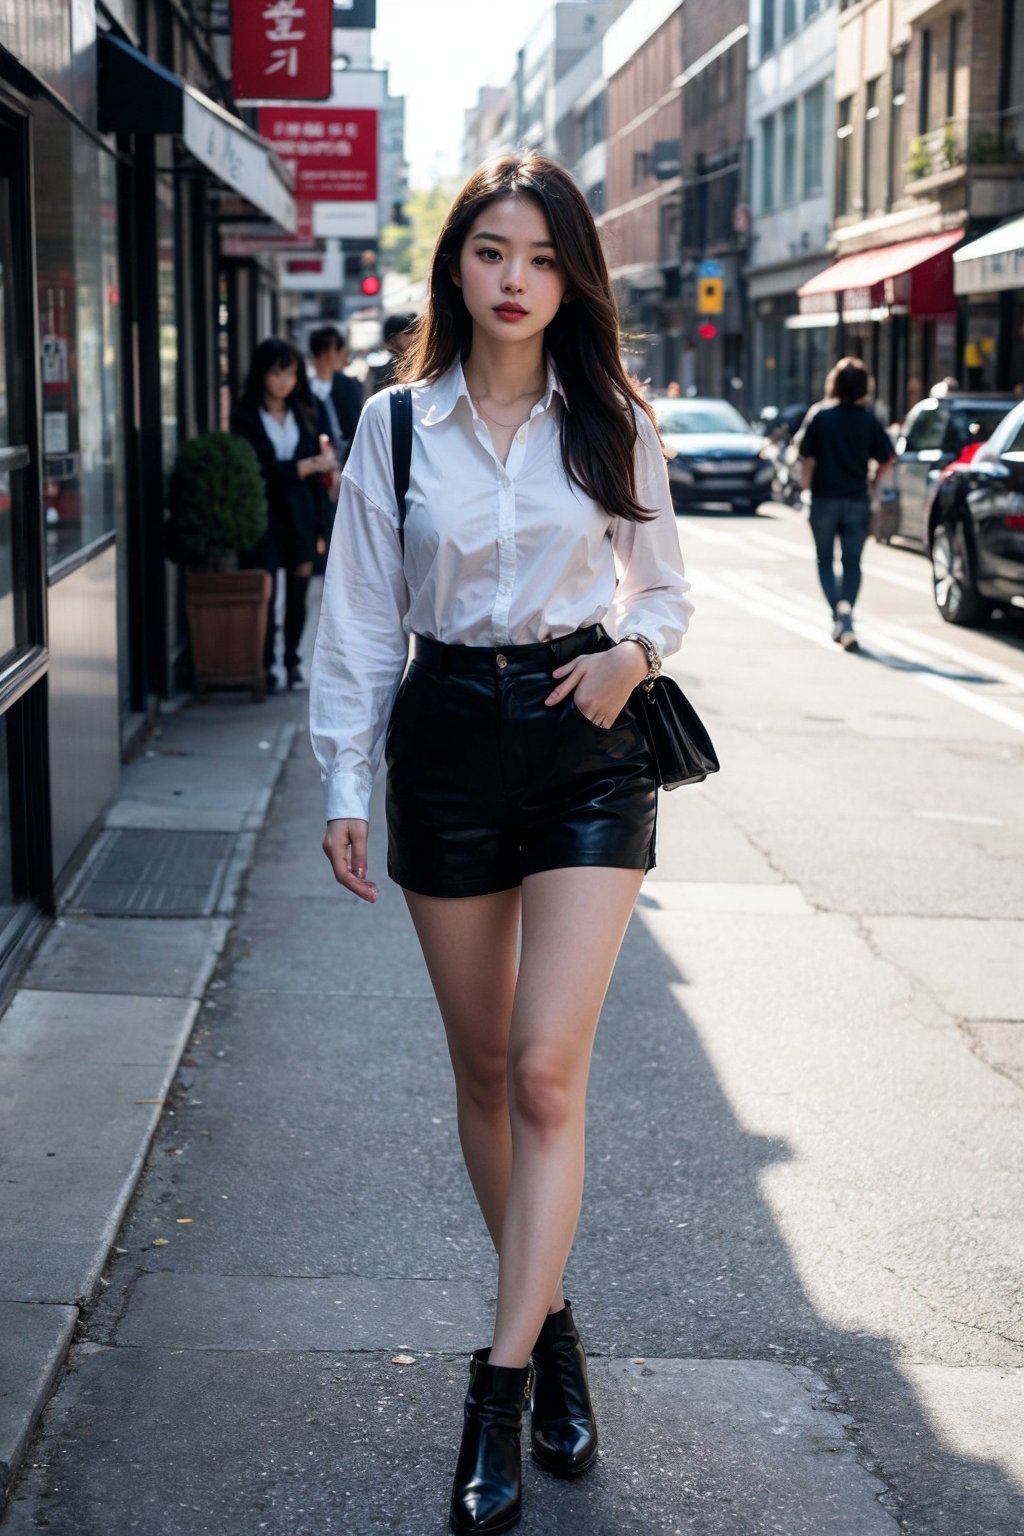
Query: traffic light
[[710, 296], [369, 278], [707, 330]]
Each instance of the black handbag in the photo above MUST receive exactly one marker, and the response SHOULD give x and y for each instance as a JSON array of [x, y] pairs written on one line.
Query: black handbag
[[678, 739], [680, 745]]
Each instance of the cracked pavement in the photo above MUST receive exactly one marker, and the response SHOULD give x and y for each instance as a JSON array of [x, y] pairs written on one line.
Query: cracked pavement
[[799, 1265]]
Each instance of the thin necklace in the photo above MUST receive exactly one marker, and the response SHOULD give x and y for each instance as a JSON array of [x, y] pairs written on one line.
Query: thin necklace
[[495, 419]]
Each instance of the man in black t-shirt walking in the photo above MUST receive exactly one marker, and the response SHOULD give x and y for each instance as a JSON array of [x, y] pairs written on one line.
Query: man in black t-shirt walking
[[838, 442]]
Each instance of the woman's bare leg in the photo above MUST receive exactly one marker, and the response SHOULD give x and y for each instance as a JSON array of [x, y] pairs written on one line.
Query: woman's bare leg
[[470, 947], [573, 924]]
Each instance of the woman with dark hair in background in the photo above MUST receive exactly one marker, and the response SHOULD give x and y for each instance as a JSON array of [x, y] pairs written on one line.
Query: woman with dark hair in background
[[521, 791], [277, 414]]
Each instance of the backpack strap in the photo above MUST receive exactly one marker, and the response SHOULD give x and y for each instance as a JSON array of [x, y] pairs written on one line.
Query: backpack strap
[[401, 451]]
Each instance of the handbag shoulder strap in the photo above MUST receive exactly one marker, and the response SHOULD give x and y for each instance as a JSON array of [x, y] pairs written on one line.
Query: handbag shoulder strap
[[401, 451]]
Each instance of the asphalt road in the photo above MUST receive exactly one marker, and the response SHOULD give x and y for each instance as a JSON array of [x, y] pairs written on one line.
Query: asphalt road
[[799, 1266]]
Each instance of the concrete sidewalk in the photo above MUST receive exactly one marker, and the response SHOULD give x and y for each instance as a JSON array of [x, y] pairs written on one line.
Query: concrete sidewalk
[[91, 1041], [282, 1341]]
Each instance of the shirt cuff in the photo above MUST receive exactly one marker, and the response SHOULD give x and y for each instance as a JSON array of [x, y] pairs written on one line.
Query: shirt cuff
[[347, 797]]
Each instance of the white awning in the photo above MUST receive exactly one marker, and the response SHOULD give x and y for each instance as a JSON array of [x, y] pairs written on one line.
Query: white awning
[[237, 157], [992, 263], [137, 95]]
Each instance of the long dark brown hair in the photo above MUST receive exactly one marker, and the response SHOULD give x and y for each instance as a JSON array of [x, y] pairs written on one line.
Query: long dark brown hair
[[599, 430], [275, 352]]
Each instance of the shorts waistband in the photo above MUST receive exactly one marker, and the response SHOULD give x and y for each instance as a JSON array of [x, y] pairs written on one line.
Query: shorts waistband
[[484, 661]]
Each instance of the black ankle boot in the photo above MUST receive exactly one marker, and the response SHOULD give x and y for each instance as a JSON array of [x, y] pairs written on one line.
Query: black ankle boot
[[563, 1431], [488, 1490]]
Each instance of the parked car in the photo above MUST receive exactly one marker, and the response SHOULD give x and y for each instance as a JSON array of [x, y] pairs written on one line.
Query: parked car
[[717, 459], [976, 527], [934, 434], [781, 422]]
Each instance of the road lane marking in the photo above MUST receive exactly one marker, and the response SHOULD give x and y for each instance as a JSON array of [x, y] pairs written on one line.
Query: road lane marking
[[786, 614], [973, 821], [771, 544], [894, 634]]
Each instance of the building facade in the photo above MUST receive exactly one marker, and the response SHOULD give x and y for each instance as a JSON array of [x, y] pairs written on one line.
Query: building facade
[[790, 108], [641, 56], [928, 150], [714, 219], [120, 161]]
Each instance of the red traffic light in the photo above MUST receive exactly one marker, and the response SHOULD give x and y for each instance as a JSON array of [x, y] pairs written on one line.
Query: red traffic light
[[370, 285], [707, 331]]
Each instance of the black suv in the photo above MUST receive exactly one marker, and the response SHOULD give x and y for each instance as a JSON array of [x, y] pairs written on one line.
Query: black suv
[[935, 433], [976, 528]]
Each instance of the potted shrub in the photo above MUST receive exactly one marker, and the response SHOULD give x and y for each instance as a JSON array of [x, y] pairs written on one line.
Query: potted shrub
[[218, 505]]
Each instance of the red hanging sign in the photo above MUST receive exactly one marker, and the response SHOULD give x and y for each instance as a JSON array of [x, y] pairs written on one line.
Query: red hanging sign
[[330, 151], [281, 50]]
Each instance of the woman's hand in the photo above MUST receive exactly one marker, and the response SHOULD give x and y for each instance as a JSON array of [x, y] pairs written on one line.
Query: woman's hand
[[602, 681], [345, 847], [317, 464]]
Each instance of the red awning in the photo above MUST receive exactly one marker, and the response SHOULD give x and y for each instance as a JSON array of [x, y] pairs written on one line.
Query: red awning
[[917, 274]]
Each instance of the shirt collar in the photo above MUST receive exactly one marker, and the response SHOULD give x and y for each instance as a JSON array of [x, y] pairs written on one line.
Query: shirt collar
[[451, 387]]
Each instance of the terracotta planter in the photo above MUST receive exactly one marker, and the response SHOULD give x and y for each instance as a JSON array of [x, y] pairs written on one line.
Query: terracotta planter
[[227, 625]]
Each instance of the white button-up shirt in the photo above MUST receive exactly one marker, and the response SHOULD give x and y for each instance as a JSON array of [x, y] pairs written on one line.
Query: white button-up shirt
[[495, 554]]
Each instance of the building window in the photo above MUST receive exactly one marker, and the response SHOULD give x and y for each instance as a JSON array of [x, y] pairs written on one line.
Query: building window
[[768, 164], [811, 9], [872, 189], [592, 124], [951, 62], [788, 18], [814, 136], [641, 166], [80, 324], [767, 26], [789, 152], [924, 100], [896, 152], [844, 133]]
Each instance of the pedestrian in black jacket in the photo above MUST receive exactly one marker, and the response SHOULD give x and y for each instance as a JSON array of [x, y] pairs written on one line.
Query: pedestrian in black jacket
[[287, 427], [839, 440]]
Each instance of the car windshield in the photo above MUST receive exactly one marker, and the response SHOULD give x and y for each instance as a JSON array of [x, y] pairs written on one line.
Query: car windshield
[[976, 420], [684, 418]]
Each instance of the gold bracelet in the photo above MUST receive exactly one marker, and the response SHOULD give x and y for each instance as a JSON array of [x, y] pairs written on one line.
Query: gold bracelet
[[653, 655]]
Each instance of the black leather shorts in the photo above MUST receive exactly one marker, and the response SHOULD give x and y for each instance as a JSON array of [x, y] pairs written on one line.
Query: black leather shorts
[[487, 785]]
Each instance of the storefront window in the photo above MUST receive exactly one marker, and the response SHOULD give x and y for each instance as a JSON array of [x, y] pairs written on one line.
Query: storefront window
[[7, 636], [168, 318], [79, 335], [7, 901]]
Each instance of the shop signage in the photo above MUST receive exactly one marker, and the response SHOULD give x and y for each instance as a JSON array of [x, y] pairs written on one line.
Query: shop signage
[[330, 151], [346, 221], [235, 156], [281, 50]]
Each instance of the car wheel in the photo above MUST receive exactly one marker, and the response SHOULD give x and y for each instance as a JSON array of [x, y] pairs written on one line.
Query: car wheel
[[956, 596]]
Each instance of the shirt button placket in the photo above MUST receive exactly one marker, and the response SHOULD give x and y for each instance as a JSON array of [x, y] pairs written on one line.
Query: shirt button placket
[[506, 557]]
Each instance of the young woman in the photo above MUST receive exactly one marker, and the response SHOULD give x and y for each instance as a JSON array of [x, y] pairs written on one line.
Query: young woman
[[520, 790], [279, 417]]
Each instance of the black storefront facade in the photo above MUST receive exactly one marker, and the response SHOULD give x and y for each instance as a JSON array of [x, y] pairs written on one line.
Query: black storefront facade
[[117, 171]]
